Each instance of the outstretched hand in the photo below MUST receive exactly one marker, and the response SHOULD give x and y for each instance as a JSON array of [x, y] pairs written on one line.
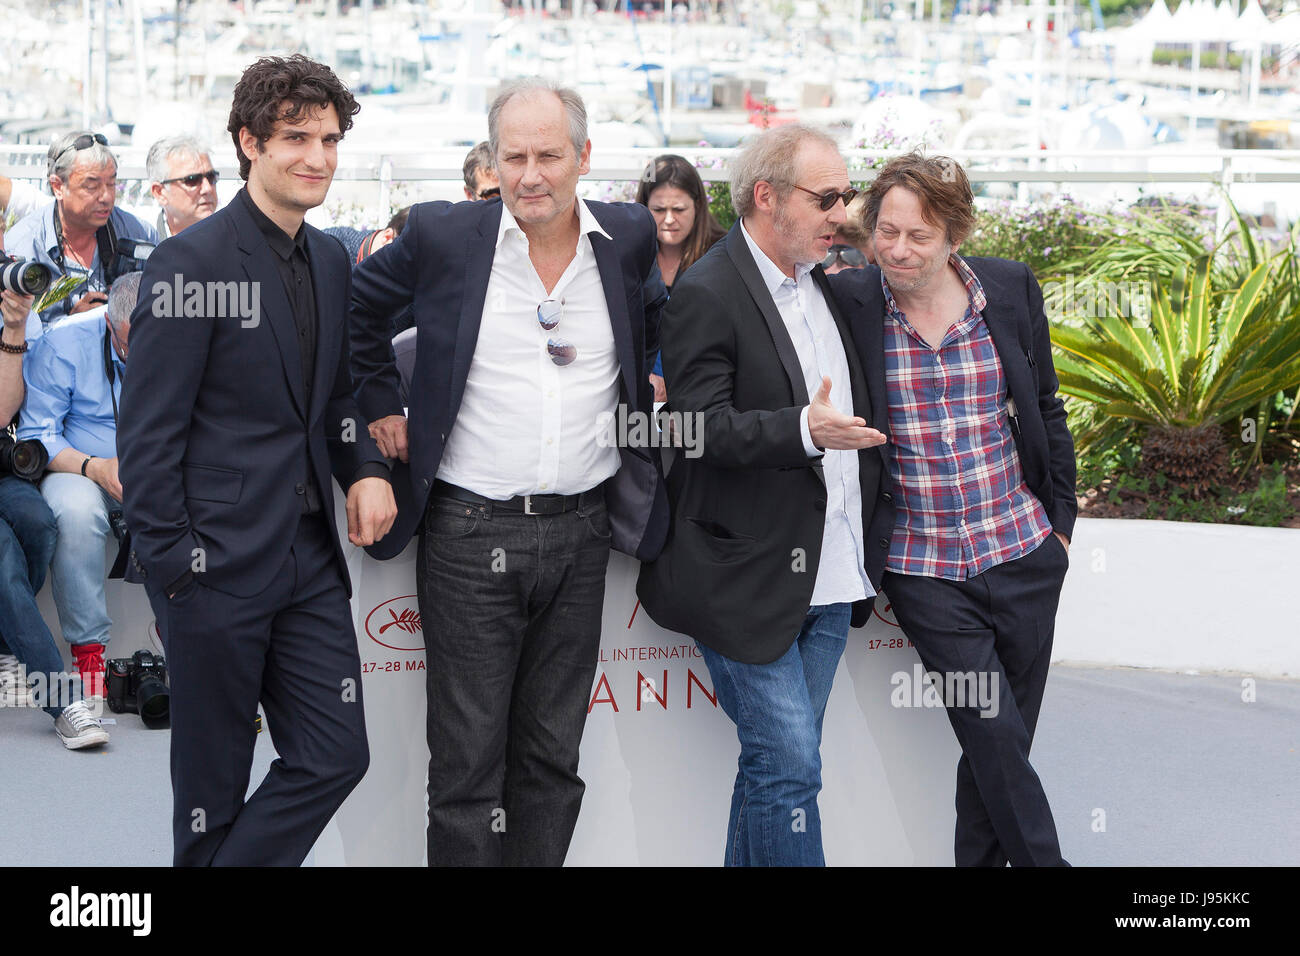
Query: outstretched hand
[[832, 430]]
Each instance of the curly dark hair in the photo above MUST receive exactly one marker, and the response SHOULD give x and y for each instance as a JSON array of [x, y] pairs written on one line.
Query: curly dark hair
[[283, 88]]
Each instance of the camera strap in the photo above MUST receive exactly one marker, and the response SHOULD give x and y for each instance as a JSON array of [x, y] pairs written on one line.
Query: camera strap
[[109, 370], [106, 240]]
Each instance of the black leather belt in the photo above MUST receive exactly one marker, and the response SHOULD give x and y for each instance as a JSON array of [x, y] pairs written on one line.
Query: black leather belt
[[525, 504]]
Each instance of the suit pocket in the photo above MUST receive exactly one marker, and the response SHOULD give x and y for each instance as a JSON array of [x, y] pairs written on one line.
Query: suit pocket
[[210, 483], [721, 543]]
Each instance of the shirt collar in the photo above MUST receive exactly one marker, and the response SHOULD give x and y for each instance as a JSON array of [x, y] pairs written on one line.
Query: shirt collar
[[772, 275], [974, 291], [276, 237], [586, 224]]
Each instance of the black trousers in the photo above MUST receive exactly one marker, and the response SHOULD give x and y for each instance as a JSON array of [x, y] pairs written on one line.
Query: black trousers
[[997, 626], [511, 607], [293, 649]]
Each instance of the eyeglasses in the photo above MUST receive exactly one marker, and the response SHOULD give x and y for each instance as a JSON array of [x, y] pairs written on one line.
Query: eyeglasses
[[193, 180], [549, 313], [84, 141], [852, 258], [490, 192], [827, 200]]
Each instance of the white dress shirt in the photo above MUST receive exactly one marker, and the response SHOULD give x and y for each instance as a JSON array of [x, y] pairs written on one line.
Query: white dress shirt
[[525, 424], [841, 573]]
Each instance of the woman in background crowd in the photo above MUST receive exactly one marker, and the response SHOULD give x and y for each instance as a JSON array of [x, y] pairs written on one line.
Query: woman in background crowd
[[675, 196]]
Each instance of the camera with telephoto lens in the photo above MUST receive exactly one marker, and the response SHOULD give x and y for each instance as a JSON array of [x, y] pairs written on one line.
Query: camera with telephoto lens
[[138, 685], [24, 276], [129, 256], [22, 459]]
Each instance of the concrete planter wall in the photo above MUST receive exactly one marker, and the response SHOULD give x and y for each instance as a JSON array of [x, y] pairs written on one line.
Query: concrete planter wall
[[1182, 596]]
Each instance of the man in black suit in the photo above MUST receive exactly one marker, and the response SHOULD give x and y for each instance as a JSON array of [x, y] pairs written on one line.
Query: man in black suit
[[778, 526], [238, 409], [536, 317], [983, 474]]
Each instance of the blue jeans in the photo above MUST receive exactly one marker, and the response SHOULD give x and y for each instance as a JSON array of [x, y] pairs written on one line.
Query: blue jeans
[[778, 710], [77, 573], [27, 537]]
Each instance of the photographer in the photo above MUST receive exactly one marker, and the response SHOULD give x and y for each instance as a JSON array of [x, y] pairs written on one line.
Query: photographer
[[74, 382], [27, 541], [81, 232]]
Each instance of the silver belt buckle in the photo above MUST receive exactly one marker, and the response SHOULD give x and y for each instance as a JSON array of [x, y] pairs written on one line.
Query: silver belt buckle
[[528, 505]]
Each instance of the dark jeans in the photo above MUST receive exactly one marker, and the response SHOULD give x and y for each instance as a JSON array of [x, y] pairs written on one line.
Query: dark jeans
[[28, 535], [511, 608], [293, 648], [998, 624]]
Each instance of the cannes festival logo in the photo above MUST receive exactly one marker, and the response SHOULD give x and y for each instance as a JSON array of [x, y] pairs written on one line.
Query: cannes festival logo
[[396, 624]]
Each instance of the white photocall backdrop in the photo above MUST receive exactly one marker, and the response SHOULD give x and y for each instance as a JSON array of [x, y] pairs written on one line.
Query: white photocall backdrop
[[658, 755]]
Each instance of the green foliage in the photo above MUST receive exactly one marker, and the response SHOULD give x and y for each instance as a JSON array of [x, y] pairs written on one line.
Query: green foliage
[[720, 203], [1210, 59], [1219, 343], [1038, 234]]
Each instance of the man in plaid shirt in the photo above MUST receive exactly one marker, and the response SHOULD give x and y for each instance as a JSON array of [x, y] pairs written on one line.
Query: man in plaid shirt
[[982, 468]]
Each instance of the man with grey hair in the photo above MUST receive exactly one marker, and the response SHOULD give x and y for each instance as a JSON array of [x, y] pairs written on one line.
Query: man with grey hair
[[537, 317], [74, 377], [481, 180], [183, 181], [81, 232], [769, 557]]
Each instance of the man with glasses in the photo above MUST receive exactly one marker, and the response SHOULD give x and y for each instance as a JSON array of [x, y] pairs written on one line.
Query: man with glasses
[[183, 182], [481, 180], [80, 231], [537, 317], [776, 533]]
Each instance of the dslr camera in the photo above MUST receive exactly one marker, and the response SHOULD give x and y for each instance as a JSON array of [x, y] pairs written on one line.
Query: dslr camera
[[22, 459], [129, 255], [23, 276], [138, 685]]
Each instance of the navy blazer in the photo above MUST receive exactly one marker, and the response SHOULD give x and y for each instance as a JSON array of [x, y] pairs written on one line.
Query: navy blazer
[[1018, 326], [215, 428], [441, 264]]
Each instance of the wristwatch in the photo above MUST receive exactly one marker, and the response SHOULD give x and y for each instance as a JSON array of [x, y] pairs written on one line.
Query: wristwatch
[[84, 464]]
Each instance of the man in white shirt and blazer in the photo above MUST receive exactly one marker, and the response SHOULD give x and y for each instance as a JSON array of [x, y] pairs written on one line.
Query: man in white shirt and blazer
[[536, 316]]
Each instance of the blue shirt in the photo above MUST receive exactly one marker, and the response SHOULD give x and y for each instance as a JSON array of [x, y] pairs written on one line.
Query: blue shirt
[[68, 404], [33, 238]]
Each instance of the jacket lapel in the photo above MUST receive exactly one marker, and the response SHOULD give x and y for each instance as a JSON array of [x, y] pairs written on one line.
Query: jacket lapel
[[611, 280], [479, 253], [274, 303], [741, 258], [862, 400], [328, 289]]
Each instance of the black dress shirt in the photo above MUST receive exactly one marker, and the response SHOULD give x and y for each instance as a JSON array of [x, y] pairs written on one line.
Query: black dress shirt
[[293, 264]]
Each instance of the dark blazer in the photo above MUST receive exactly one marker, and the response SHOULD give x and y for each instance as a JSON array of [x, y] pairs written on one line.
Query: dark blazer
[[441, 264], [215, 428], [728, 574], [1018, 326]]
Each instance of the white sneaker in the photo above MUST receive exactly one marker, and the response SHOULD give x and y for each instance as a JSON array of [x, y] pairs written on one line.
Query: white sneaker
[[14, 690], [77, 727]]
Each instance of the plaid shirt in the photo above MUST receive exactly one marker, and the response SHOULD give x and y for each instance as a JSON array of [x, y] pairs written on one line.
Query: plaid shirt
[[962, 503]]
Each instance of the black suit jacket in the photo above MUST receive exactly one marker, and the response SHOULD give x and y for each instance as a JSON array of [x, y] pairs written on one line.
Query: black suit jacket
[[744, 510], [1018, 326], [215, 428], [440, 264]]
